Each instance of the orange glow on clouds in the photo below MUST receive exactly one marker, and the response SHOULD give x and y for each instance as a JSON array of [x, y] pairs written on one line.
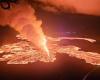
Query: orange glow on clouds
[[90, 7]]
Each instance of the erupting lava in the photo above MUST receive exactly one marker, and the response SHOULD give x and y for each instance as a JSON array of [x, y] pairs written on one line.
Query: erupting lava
[[22, 18], [24, 52], [35, 47]]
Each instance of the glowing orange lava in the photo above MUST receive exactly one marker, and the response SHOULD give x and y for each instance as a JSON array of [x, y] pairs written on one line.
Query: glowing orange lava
[[24, 52]]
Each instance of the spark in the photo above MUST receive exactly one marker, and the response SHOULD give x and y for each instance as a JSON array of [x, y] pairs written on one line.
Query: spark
[[23, 52]]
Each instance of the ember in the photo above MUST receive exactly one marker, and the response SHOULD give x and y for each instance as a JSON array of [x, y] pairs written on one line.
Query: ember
[[24, 52]]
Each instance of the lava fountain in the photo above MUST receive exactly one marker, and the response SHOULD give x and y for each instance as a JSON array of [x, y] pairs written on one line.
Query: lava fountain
[[21, 17]]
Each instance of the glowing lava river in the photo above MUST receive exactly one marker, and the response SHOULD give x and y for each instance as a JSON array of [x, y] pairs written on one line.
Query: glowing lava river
[[23, 52]]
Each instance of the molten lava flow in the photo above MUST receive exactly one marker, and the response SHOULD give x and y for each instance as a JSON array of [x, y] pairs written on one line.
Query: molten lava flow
[[24, 52]]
